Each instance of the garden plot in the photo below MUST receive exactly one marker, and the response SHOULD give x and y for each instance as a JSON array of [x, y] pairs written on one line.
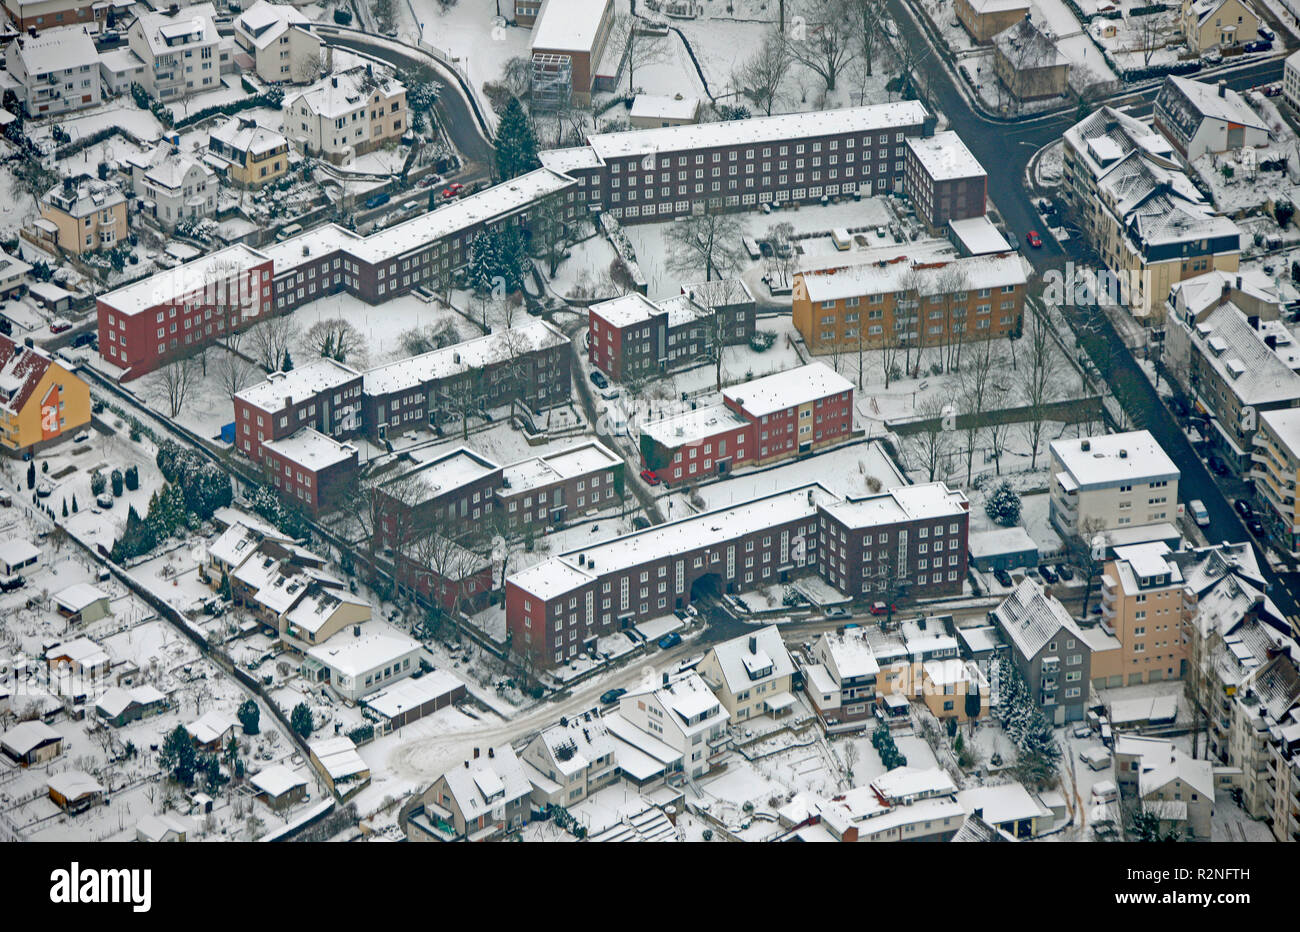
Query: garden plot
[[206, 402], [231, 91], [381, 326], [1059, 22], [1141, 41], [118, 111]]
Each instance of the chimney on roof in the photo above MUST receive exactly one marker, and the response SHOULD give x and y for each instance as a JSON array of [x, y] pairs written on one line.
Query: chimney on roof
[[306, 250], [476, 753], [492, 752], [1085, 445], [977, 813], [1123, 454], [288, 402], [334, 81], [753, 644], [1223, 88], [920, 623], [665, 678], [467, 765]]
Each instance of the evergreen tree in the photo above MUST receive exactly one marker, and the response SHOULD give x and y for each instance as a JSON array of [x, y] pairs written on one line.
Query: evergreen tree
[[249, 715], [177, 756], [484, 261], [116, 482], [224, 589], [65, 508], [1003, 506], [300, 720], [516, 143], [31, 475], [512, 254], [74, 503], [132, 478], [288, 362]]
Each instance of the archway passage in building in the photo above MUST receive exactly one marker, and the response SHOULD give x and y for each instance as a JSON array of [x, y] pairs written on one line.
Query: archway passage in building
[[706, 588]]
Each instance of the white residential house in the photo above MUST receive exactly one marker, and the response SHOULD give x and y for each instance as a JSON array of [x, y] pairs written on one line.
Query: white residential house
[[181, 51], [1176, 787], [842, 683], [1111, 481], [356, 666], [279, 40], [569, 761], [346, 114], [750, 674], [56, 71], [682, 713], [1200, 118], [173, 185]]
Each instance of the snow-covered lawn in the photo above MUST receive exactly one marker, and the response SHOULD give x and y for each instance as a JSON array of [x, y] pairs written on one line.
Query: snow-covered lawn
[[117, 111]]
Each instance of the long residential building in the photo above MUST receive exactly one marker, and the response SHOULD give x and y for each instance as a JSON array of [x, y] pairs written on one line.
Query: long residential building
[[912, 538], [1275, 471], [1142, 213], [890, 298]]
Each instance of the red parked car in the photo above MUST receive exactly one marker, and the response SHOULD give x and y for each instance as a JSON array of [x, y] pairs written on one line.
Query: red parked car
[[649, 477], [1034, 239], [452, 190], [60, 325], [880, 608]]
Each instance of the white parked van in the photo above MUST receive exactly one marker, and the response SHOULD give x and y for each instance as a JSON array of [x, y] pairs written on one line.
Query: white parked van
[[1198, 512], [1105, 792], [1096, 758]]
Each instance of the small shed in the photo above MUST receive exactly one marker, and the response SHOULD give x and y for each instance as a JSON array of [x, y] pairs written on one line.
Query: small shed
[[120, 706], [81, 602], [161, 828], [75, 791], [50, 296], [1006, 548], [279, 786], [32, 743], [17, 554]]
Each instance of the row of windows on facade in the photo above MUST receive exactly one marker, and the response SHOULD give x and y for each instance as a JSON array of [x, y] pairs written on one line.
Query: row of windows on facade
[[648, 180], [903, 296], [648, 194], [832, 145]]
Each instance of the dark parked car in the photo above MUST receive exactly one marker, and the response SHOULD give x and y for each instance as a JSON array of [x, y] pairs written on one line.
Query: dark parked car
[[1063, 570], [1259, 45], [598, 379], [1255, 527], [1244, 509], [1217, 466], [84, 339], [1178, 407], [1046, 572], [1003, 577], [670, 640], [611, 695], [640, 522]]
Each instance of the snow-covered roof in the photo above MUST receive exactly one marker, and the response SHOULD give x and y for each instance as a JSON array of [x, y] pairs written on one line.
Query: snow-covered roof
[[944, 157], [849, 653], [357, 656], [975, 829], [1147, 561], [1026, 48], [120, 61], [1114, 459], [81, 651], [336, 96], [1189, 102], [757, 657], [631, 308], [311, 449], [263, 22], [276, 780], [1160, 770], [487, 783], [56, 50], [116, 700], [168, 33], [244, 135], [1255, 372], [1284, 425], [86, 196], [1008, 802], [1197, 294], [951, 672], [562, 574], [563, 161], [73, 784], [569, 25], [538, 471], [791, 388], [210, 726], [1000, 541], [440, 476], [654, 107], [318, 606], [836, 280], [906, 503], [693, 426], [780, 128], [276, 584], [479, 353], [285, 389], [156, 827], [984, 7], [173, 285], [26, 737], [904, 783], [638, 820], [235, 544], [577, 743], [77, 597], [1031, 618], [693, 706], [21, 370], [10, 266], [412, 693], [167, 167], [339, 757], [15, 551], [979, 236]]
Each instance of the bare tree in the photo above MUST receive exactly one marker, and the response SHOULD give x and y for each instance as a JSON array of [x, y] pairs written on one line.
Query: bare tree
[[175, 380], [763, 73], [1087, 551], [780, 263], [337, 339], [999, 428], [1038, 382], [304, 67], [640, 48], [710, 242], [446, 567], [890, 345], [233, 373], [975, 389], [824, 42], [552, 233], [1153, 33], [870, 18], [462, 397], [930, 447], [269, 339], [517, 75]]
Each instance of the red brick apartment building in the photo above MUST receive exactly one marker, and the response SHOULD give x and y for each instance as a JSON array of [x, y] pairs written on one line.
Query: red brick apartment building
[[146, 324], [776, 417], [450, 495], [531, 363], [944, 181], [549, 491], [674, 171], [558, 608], [323, 394], [632, 336], [310, 468]]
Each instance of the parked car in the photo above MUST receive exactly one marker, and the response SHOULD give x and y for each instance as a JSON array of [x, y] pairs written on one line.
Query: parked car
[[1012, 241], [1255, 527], [84, 339], [1046, 572], [1198, 512], [640, 522], [609, 394], [1034, 239], [880, 608], [60, 325], [1244, 509], [81, 436], [670, 640], [1063, 570], [104, 500], [1003, 577], [376, 200], [611, 695], [1177, 407], [1259, 45], [838, 611], [452, 190], [1273, 90], [1217, 466], [598, 379], [1266, 33], [648, 477], [1082, 730], [1097, 758]]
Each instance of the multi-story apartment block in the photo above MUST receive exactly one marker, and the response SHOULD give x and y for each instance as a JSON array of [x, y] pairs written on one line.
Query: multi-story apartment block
[[1147, 604], [323, 394], [45, 14], [842, 683], [1152, 239], [1111, 481], [632, 337], [40, 401], [1199, 118], [1275, 471], [683, 714], [750, 674], [346, 114], [555, 488], [147, 323], [1049, 650], [279, 40], [83, 215], [529, 364], [776, 417], [1236, 360], [55, 71], [984, 19], [310, 468], [943, 180], [452, 494], [570, 760], [674, 171], [1263, 736], [901, 301], [562, 605], [251, 155], [173, 186], [181, 50]]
